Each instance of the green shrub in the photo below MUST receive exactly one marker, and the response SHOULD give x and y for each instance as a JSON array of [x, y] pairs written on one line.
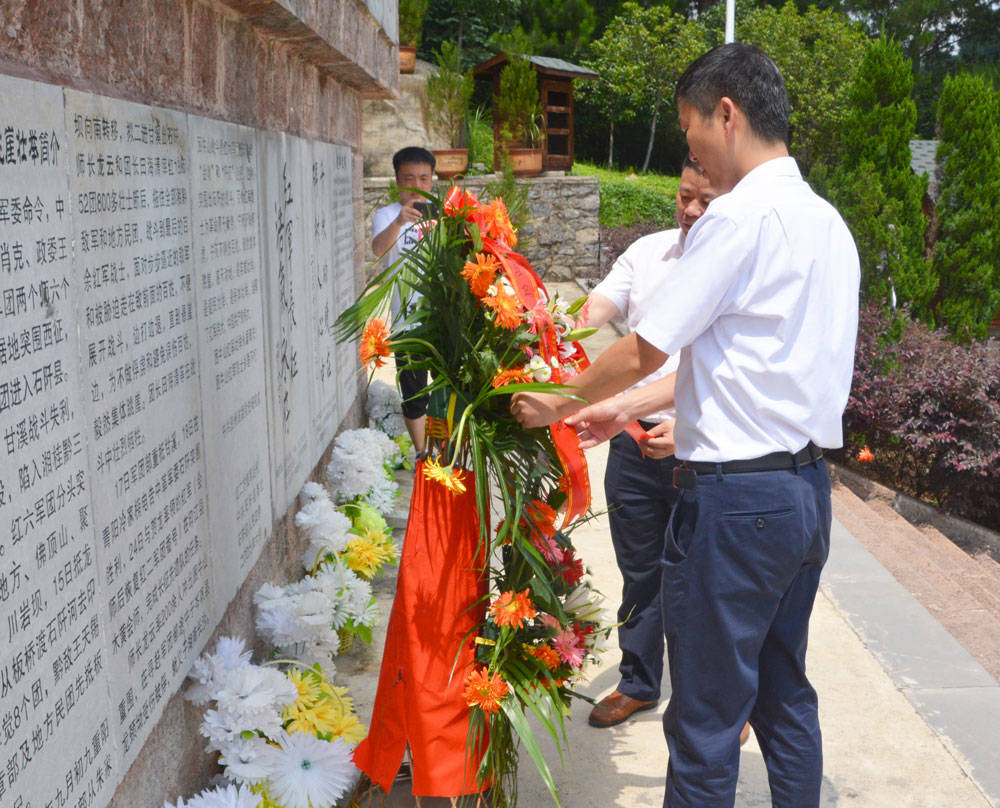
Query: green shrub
[[967, 247], [929, 410], [480, 137], [873, 187]]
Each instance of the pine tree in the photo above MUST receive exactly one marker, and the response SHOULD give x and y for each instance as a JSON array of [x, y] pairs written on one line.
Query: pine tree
[[967, 247], [874, 188]]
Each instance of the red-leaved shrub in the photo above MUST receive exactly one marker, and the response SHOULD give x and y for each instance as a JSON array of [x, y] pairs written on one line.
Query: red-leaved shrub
[[930, 412]]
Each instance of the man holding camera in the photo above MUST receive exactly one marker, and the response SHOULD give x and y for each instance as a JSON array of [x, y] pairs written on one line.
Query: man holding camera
[[393, 232]]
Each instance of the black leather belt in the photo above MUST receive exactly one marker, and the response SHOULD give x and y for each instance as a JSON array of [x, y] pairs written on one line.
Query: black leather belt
[[686, 475]]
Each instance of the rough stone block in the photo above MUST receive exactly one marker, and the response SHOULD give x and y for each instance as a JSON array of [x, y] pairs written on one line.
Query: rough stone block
[[41, 34], [202, 57], [165, 49]]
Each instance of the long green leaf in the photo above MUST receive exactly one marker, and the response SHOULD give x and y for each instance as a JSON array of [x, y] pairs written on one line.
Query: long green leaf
[[515, 715]]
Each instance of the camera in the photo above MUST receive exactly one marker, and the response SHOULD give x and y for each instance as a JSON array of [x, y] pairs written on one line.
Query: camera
[[427, 209]]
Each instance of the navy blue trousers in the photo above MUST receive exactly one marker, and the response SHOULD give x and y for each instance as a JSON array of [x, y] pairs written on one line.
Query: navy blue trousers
[[640, 496], [740, 572]]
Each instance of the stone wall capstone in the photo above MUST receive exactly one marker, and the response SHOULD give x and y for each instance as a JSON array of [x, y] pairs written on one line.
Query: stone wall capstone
[[562, 238]]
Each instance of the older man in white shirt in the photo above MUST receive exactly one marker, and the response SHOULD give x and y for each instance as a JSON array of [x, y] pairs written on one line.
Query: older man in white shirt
[[763, 310], [638, 480]]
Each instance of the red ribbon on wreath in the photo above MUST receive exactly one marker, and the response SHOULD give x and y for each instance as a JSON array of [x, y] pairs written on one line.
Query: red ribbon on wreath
[[527, 285]]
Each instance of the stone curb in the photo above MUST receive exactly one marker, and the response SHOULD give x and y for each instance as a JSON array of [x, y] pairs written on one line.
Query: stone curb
[[969, 536]]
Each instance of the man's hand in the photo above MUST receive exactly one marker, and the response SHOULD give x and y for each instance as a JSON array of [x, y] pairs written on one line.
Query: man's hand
[[660, 442], [539, 409], [408, 214], [599, 422]]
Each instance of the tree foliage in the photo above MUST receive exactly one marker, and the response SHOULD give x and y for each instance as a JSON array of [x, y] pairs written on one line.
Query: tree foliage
[[640, 57], [449, 91], [818, 53], [967, 247], [873, 186]]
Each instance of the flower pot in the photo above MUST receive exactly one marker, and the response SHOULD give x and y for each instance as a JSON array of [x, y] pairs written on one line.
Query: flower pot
[[450, 162], [407, 58], [525, 162]]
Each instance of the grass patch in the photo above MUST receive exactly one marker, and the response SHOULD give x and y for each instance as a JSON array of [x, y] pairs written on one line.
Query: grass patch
[[647, 198]]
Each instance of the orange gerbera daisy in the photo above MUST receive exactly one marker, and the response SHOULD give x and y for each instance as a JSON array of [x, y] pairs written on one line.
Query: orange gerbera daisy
[[481, 273], [507, 308], [497, 222], [375, 343], [545, 654], [484, 690], [512, 609], [542, 518], [510, 376], [866, 455]]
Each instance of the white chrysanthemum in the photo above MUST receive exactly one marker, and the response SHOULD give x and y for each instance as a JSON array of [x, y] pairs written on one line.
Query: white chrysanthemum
[[351, 475], [359, 601], [245, 760], [383, 406], [222, 728], [251, 690], [320, 518], [366, 441], [209, 669], [313, 490], [179, 804], [307, 772], [383, 494], [311, 653], [229, 796]]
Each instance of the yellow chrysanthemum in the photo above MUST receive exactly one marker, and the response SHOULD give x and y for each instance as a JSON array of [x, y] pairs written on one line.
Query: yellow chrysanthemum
[[367, 553], [332, 715], [446, 475], [310, 687]]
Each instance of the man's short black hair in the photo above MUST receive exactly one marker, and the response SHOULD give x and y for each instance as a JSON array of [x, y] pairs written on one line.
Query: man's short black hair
[[749, 77], [689, 163], [412, 154]]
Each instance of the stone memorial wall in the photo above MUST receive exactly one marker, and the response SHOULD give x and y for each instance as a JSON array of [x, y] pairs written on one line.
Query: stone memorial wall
[[167, 383]]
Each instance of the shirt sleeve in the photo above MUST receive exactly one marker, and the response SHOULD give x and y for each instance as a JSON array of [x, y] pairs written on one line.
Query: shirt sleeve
[[381, 220], [701, 285], [618, 282]]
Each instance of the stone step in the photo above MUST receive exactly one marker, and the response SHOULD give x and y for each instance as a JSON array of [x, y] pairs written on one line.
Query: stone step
[[962, 592]]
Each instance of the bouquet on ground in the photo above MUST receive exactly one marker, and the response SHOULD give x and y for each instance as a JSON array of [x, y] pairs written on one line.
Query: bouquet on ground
[[476, 316], [313, 619], [283, 732]]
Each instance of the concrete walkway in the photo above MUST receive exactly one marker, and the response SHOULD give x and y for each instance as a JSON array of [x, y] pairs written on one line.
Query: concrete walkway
[[910, 718]]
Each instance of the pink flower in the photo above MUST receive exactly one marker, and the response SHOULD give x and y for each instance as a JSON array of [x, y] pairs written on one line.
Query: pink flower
[[567, 645], [550, 549]]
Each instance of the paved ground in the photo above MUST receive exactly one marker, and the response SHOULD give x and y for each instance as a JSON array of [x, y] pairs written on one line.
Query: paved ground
[[909, 713]]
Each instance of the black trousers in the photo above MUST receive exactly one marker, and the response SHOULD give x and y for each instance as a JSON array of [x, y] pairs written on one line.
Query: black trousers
[[411, 382], [640, 496]]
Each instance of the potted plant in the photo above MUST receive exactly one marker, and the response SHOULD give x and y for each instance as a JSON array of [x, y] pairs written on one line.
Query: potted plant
[[448, 93], [519, 112], [411, 26]]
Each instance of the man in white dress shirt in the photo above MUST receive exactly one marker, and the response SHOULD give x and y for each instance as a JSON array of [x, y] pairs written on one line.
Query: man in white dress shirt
[[763, 310], [393, 231], [638, 480]]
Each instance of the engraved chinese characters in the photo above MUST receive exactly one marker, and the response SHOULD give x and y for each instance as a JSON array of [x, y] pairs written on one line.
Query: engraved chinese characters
[[56, 740], [231, 346], [328, 215], [139, 344], [152, 384]]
